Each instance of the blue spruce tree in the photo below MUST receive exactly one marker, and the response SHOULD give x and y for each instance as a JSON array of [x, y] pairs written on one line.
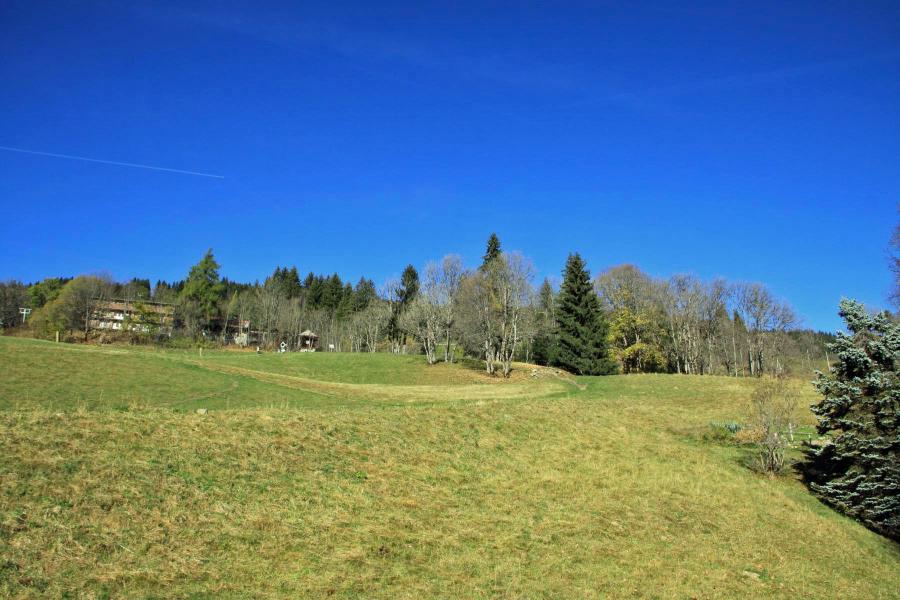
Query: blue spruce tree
[[858, 473]]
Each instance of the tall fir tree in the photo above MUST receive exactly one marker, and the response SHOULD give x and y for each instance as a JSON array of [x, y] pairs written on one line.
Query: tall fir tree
[[292, 282], [409, 286], [545, 341], [203, 285], [582, 346], [333, 292], [492, 251], [859, 471], [409, 289], [364, 294]]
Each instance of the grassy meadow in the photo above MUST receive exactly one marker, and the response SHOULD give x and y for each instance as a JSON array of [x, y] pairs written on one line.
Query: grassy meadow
[[376, 476]]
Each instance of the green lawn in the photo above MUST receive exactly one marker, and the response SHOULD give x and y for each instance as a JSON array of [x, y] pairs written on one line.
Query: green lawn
[[381, 369], [361, 476]]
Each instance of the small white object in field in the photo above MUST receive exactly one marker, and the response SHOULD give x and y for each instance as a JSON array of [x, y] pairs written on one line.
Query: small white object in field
[[201, 411]]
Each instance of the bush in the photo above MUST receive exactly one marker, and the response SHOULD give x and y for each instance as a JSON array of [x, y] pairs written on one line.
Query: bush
[[772, 410], [722, 432], [749, 436], [642, 358]]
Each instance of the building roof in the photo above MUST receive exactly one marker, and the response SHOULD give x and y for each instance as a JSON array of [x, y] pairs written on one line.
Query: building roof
[[122, 305]]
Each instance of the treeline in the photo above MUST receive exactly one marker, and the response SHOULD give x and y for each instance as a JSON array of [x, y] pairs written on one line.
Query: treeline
[[623, 320], [686, 325]]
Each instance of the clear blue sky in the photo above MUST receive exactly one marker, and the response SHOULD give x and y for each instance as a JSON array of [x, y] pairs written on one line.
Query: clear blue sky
[[753, 140]]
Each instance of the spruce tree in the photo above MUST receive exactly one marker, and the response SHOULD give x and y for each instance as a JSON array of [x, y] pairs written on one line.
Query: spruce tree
[[492, 251], [858, 472], [203, 285], [545, 339], [364, 294], [582, 346], [407, 292], [409, 285], [292, 282]]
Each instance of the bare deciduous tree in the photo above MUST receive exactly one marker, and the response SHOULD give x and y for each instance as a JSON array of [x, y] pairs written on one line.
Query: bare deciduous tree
[[492, 301], [424, 320], [375, 319], [447, 278], [268, 302], [766, 320]]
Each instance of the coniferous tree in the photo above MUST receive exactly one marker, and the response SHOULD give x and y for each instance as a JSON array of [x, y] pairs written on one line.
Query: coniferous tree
[[492, 251], [333, 292], [583, 329], [203, 286], [409, 285], [365, 293], [545, 341], [895, 267], [345, 305], [314, 290], [859, 471], [287, 281], [406, 293]]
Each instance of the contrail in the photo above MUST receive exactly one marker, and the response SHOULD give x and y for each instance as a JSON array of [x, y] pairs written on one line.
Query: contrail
[[110, 162]]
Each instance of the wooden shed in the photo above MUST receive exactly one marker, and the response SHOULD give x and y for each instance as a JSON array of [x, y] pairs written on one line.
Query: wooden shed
[[309, 341]]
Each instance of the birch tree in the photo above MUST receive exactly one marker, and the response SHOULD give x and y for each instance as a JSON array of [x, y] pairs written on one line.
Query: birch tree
[[452, 274], [424, 320], [766, 320], [492, 301], [375, 320]]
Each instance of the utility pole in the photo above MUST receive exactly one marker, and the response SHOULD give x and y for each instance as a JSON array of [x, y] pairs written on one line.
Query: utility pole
[[24, 312]]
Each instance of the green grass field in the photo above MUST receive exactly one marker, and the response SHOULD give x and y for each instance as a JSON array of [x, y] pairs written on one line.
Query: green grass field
[[376, 476]]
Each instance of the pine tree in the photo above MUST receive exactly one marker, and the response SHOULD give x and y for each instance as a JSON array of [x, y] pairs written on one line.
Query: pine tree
[[203, 285], [332, 292], [859, 471], [545, 340], [364, 294], [407, 292], [583, 329], [492, 251], [345, 306], [292, 282], [409, 285]]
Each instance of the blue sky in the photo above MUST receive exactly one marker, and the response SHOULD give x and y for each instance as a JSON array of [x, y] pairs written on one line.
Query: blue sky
[[758, 141]]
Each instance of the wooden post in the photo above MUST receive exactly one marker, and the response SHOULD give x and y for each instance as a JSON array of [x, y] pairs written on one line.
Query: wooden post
[[57, 336]]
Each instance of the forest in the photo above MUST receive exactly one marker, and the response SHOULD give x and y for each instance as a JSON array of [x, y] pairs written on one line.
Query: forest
[[623, 320]]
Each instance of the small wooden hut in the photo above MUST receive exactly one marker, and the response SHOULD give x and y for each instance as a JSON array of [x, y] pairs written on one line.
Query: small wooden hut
[[309, 341]]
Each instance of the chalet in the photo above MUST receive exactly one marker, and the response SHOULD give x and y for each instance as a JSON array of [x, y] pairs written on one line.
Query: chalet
[[129, 315]]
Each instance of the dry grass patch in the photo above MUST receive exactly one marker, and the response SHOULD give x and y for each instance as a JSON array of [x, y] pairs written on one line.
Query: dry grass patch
[[534, 498]]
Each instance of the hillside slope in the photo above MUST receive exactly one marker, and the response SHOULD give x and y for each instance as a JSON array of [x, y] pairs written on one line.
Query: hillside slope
[[535, 488]]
